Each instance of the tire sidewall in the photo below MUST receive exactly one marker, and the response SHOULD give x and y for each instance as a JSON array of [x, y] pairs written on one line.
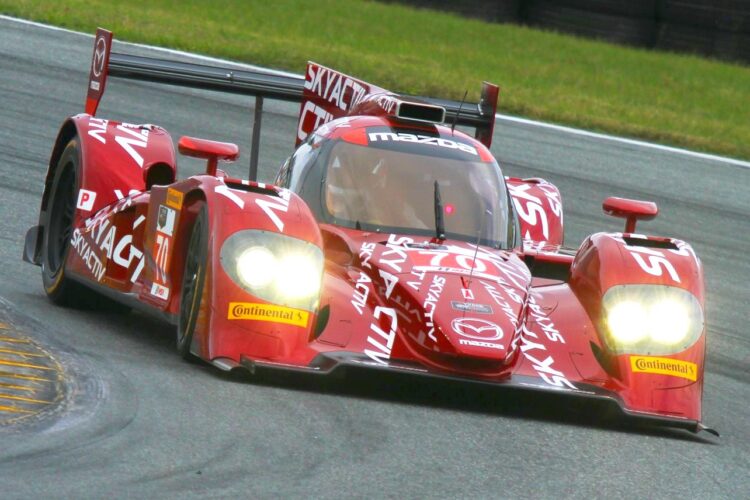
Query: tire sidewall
[[185, 338], [55, 283]]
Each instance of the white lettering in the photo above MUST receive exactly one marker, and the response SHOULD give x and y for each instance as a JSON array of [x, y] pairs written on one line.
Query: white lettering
[[136, 139], [422, 139], [270, 204], [383, 352], [227, 193]]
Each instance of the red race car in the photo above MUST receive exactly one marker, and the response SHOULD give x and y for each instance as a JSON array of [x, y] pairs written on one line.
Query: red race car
[[389, 240]]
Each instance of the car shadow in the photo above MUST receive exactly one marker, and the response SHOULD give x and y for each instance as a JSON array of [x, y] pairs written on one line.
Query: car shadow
[[467, 397], [407, 389]]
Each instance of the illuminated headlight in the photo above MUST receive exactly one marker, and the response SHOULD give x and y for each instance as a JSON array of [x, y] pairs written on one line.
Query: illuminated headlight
[[651, 319], [256, 267], [299, 276], [274, 267]]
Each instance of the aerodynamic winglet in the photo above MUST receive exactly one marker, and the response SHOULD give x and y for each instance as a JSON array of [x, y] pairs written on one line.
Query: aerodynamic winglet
[[99, 69]]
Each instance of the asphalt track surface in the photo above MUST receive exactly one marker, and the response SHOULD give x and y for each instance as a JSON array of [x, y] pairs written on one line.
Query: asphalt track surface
[[138, 421]]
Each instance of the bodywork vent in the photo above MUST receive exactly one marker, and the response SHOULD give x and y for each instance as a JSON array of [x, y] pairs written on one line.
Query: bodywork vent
[[640, 242], [420, 112]]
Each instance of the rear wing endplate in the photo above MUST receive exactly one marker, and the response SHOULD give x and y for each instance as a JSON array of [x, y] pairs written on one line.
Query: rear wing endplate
[[260, 84]]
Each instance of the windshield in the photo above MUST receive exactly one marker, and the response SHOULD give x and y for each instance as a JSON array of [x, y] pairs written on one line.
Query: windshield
[[390, 190]]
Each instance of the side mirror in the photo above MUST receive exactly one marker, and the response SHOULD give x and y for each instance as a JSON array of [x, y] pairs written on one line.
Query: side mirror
[[632, 210], [213, 151]]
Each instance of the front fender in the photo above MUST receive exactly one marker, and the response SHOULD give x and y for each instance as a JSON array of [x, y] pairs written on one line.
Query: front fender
[[115, 159], [663, 383], [232, 207]]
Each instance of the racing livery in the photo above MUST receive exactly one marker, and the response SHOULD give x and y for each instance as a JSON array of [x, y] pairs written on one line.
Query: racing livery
[[389, 240]]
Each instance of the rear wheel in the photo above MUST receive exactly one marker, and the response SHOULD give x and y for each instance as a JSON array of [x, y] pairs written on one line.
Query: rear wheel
[[193, 280]]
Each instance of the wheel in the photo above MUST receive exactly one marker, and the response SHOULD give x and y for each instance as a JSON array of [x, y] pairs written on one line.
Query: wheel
[[193, 279], [56, 234], [58, 229]]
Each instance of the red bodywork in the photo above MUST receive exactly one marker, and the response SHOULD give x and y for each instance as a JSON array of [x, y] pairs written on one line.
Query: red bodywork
[[528, 317]]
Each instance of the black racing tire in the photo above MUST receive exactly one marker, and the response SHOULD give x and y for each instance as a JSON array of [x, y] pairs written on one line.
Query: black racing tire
[[193, 281], [57, 230]]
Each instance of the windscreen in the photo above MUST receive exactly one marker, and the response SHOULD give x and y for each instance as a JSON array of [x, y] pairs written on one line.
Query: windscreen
[[390, 187]]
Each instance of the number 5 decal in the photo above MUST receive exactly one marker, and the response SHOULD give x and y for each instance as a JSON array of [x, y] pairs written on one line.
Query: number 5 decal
[[655, 264]]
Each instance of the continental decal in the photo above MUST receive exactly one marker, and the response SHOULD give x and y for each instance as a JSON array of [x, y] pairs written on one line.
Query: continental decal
[[174, 198], [664, 366], [266, 312]]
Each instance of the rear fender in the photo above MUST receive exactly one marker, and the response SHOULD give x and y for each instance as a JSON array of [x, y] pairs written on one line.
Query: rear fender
[[539, 208], [663, 383]]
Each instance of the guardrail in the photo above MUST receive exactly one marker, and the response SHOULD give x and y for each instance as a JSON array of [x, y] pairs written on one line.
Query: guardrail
[[718, 29]]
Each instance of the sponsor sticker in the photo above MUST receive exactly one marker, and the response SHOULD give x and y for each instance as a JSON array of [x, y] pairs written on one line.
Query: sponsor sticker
[[86, 200], [267, 312], [100, 50], [664, 366], [174, 198], [467, 294], [477, 329], [471, 307], [162, 252], [477, 343], [422, 139], [160, 291], [165, 221]]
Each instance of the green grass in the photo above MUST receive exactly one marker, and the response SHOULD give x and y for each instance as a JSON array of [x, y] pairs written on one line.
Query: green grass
[[674, 99]]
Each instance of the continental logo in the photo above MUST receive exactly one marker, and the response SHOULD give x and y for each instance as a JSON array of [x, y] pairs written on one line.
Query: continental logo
[[664, 366], [266, 312], [174, 198]]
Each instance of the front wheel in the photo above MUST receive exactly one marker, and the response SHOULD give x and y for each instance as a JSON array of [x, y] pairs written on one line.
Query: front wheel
[[58, 229], [56, 239], [193, 280]]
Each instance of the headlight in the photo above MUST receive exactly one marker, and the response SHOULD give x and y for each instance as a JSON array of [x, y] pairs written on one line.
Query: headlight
[[256, 266], [651, 319], [274, 267]]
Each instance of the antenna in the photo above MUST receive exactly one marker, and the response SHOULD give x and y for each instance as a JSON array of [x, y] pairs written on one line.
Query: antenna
[[455, 119], [476, 247]]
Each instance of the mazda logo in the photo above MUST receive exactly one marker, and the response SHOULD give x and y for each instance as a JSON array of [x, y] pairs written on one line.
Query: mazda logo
[[97, 65], [477, 329]]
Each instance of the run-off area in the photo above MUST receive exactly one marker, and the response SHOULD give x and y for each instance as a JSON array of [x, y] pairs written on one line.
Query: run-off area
[[31, 380]]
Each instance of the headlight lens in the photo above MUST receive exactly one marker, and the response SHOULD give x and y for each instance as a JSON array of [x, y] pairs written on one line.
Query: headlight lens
[[627, 321], [274, 267], [651, 319], [255, 267]]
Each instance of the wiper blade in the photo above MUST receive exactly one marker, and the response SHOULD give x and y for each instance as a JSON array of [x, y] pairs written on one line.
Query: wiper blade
[[439, 223]]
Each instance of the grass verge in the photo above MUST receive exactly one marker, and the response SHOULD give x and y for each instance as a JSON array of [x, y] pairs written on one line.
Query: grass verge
[[668, 98]]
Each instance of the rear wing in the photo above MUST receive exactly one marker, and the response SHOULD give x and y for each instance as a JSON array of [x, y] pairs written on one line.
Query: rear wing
[[321, 100]]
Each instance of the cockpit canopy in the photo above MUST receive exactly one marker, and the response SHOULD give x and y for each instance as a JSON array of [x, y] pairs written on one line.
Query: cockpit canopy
[[383, 179]]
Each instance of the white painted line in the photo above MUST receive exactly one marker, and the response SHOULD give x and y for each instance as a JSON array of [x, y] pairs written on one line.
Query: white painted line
[[501, 117], [623, 140], [151, 47]]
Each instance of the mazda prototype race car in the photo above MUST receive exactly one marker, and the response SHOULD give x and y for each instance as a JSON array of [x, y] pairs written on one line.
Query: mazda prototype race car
[[390, 240]]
